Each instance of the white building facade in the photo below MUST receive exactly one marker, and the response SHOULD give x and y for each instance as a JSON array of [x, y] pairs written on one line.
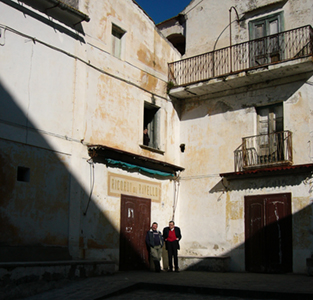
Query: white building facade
[[228, 115], [79, 82], [245, 92]]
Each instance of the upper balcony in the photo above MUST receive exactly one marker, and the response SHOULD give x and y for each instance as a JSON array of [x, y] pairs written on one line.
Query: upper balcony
[[275, 56]]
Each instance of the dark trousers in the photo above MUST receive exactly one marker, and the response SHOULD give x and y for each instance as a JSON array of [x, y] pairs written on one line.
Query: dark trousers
[[172, 251]]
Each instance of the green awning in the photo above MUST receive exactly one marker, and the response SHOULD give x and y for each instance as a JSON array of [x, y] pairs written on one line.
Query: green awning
[[135, 167]]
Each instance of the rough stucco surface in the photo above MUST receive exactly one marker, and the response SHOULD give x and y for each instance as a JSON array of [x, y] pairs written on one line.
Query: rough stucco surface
[[212, 128], [43, 202], [56, 99], [67, 90]]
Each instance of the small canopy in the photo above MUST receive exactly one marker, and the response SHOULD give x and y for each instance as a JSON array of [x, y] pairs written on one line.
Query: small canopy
[[131, 161]]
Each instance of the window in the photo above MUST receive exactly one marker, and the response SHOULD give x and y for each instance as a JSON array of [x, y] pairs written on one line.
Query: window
[[117, 35], [151, 125], [270, 132], [267, 45], [23, 174]]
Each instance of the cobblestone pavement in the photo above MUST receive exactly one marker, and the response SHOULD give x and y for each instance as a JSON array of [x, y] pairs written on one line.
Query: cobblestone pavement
[[183, 285]]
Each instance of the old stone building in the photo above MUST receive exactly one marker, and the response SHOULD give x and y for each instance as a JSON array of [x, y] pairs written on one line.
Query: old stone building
[[244, 88], [80, 80], [224, 90]]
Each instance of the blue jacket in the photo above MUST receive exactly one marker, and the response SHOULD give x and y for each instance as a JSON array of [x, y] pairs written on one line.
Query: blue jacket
[[150, 239]]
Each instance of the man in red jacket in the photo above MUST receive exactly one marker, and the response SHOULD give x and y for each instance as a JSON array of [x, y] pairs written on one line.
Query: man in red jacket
[[172, 236]]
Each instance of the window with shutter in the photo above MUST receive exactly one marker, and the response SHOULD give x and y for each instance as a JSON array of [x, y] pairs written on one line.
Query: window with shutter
[[270, 133], [151, 125], [265, 45], [117, 35]]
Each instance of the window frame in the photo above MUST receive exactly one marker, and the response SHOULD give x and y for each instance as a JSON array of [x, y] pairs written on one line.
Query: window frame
[[152, 121], [267, 50], [272, 116], [117, 41]]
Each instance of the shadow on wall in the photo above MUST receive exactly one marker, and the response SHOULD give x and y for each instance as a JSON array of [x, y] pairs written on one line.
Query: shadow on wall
[[200, 107], [269, 250], [42, 204], [274, 235]]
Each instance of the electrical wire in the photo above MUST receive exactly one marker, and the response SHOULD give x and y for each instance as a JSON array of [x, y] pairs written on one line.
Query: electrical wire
[[35, 40]]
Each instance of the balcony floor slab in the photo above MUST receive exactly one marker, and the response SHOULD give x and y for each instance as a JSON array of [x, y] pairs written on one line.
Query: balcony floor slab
[[242, 79]]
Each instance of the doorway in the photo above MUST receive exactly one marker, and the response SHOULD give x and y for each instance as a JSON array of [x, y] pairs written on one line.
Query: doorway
[[268, 233], [135, 222]]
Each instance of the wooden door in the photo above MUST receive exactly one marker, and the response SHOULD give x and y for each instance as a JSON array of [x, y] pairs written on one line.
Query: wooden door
[[268, 232], [135, 222]]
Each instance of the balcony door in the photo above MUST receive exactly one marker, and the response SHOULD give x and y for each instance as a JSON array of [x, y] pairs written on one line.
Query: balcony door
[[266, 45], [270, 142]]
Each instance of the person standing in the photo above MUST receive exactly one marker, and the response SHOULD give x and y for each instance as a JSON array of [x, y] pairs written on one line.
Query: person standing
[[155, 242], [172, 236], [146, 138]]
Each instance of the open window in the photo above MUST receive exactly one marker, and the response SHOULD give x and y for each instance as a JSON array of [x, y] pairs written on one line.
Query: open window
[[266, 46], [151, 126], [117, 37], [270, 132]]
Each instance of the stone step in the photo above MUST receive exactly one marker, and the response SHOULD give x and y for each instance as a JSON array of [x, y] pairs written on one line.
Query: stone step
[[22, 272]]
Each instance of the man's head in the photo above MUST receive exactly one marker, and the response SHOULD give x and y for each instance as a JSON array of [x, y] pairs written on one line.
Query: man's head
[[171, 224], [154, 226]]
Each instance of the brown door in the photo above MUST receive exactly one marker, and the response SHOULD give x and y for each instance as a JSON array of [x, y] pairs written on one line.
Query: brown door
[[135, 222], [268, 232]]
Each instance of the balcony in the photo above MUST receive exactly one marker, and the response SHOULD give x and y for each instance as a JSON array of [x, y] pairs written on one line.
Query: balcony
[[262, 151], [280, 55]]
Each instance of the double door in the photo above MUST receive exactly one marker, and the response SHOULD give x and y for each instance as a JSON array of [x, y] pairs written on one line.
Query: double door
[[266, 44], [268, 233]]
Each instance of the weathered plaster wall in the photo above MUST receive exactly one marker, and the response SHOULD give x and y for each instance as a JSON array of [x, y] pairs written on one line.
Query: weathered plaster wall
[[298, 13], [43, 202], [213, 19], [206, 20], [212, 130], [101, 239], [140, 75], [62, 90]]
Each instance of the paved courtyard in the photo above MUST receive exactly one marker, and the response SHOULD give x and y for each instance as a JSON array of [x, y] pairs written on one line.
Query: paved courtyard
[[183, 285]]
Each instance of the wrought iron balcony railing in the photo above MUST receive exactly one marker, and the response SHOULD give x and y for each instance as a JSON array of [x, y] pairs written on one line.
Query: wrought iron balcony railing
[[280, 47], [264, 150]]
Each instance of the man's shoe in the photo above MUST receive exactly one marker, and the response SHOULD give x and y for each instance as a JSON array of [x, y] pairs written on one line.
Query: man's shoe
[[169, 270], [177, 270]]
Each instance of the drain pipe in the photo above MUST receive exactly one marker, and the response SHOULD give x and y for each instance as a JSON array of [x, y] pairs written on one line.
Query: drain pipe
[[176, 194]]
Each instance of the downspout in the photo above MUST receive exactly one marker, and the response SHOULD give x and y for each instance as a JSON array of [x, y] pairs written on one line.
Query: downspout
[[176, 194]]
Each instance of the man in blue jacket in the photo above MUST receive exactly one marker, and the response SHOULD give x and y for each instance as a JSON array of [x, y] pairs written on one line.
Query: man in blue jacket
[[154, 241]]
